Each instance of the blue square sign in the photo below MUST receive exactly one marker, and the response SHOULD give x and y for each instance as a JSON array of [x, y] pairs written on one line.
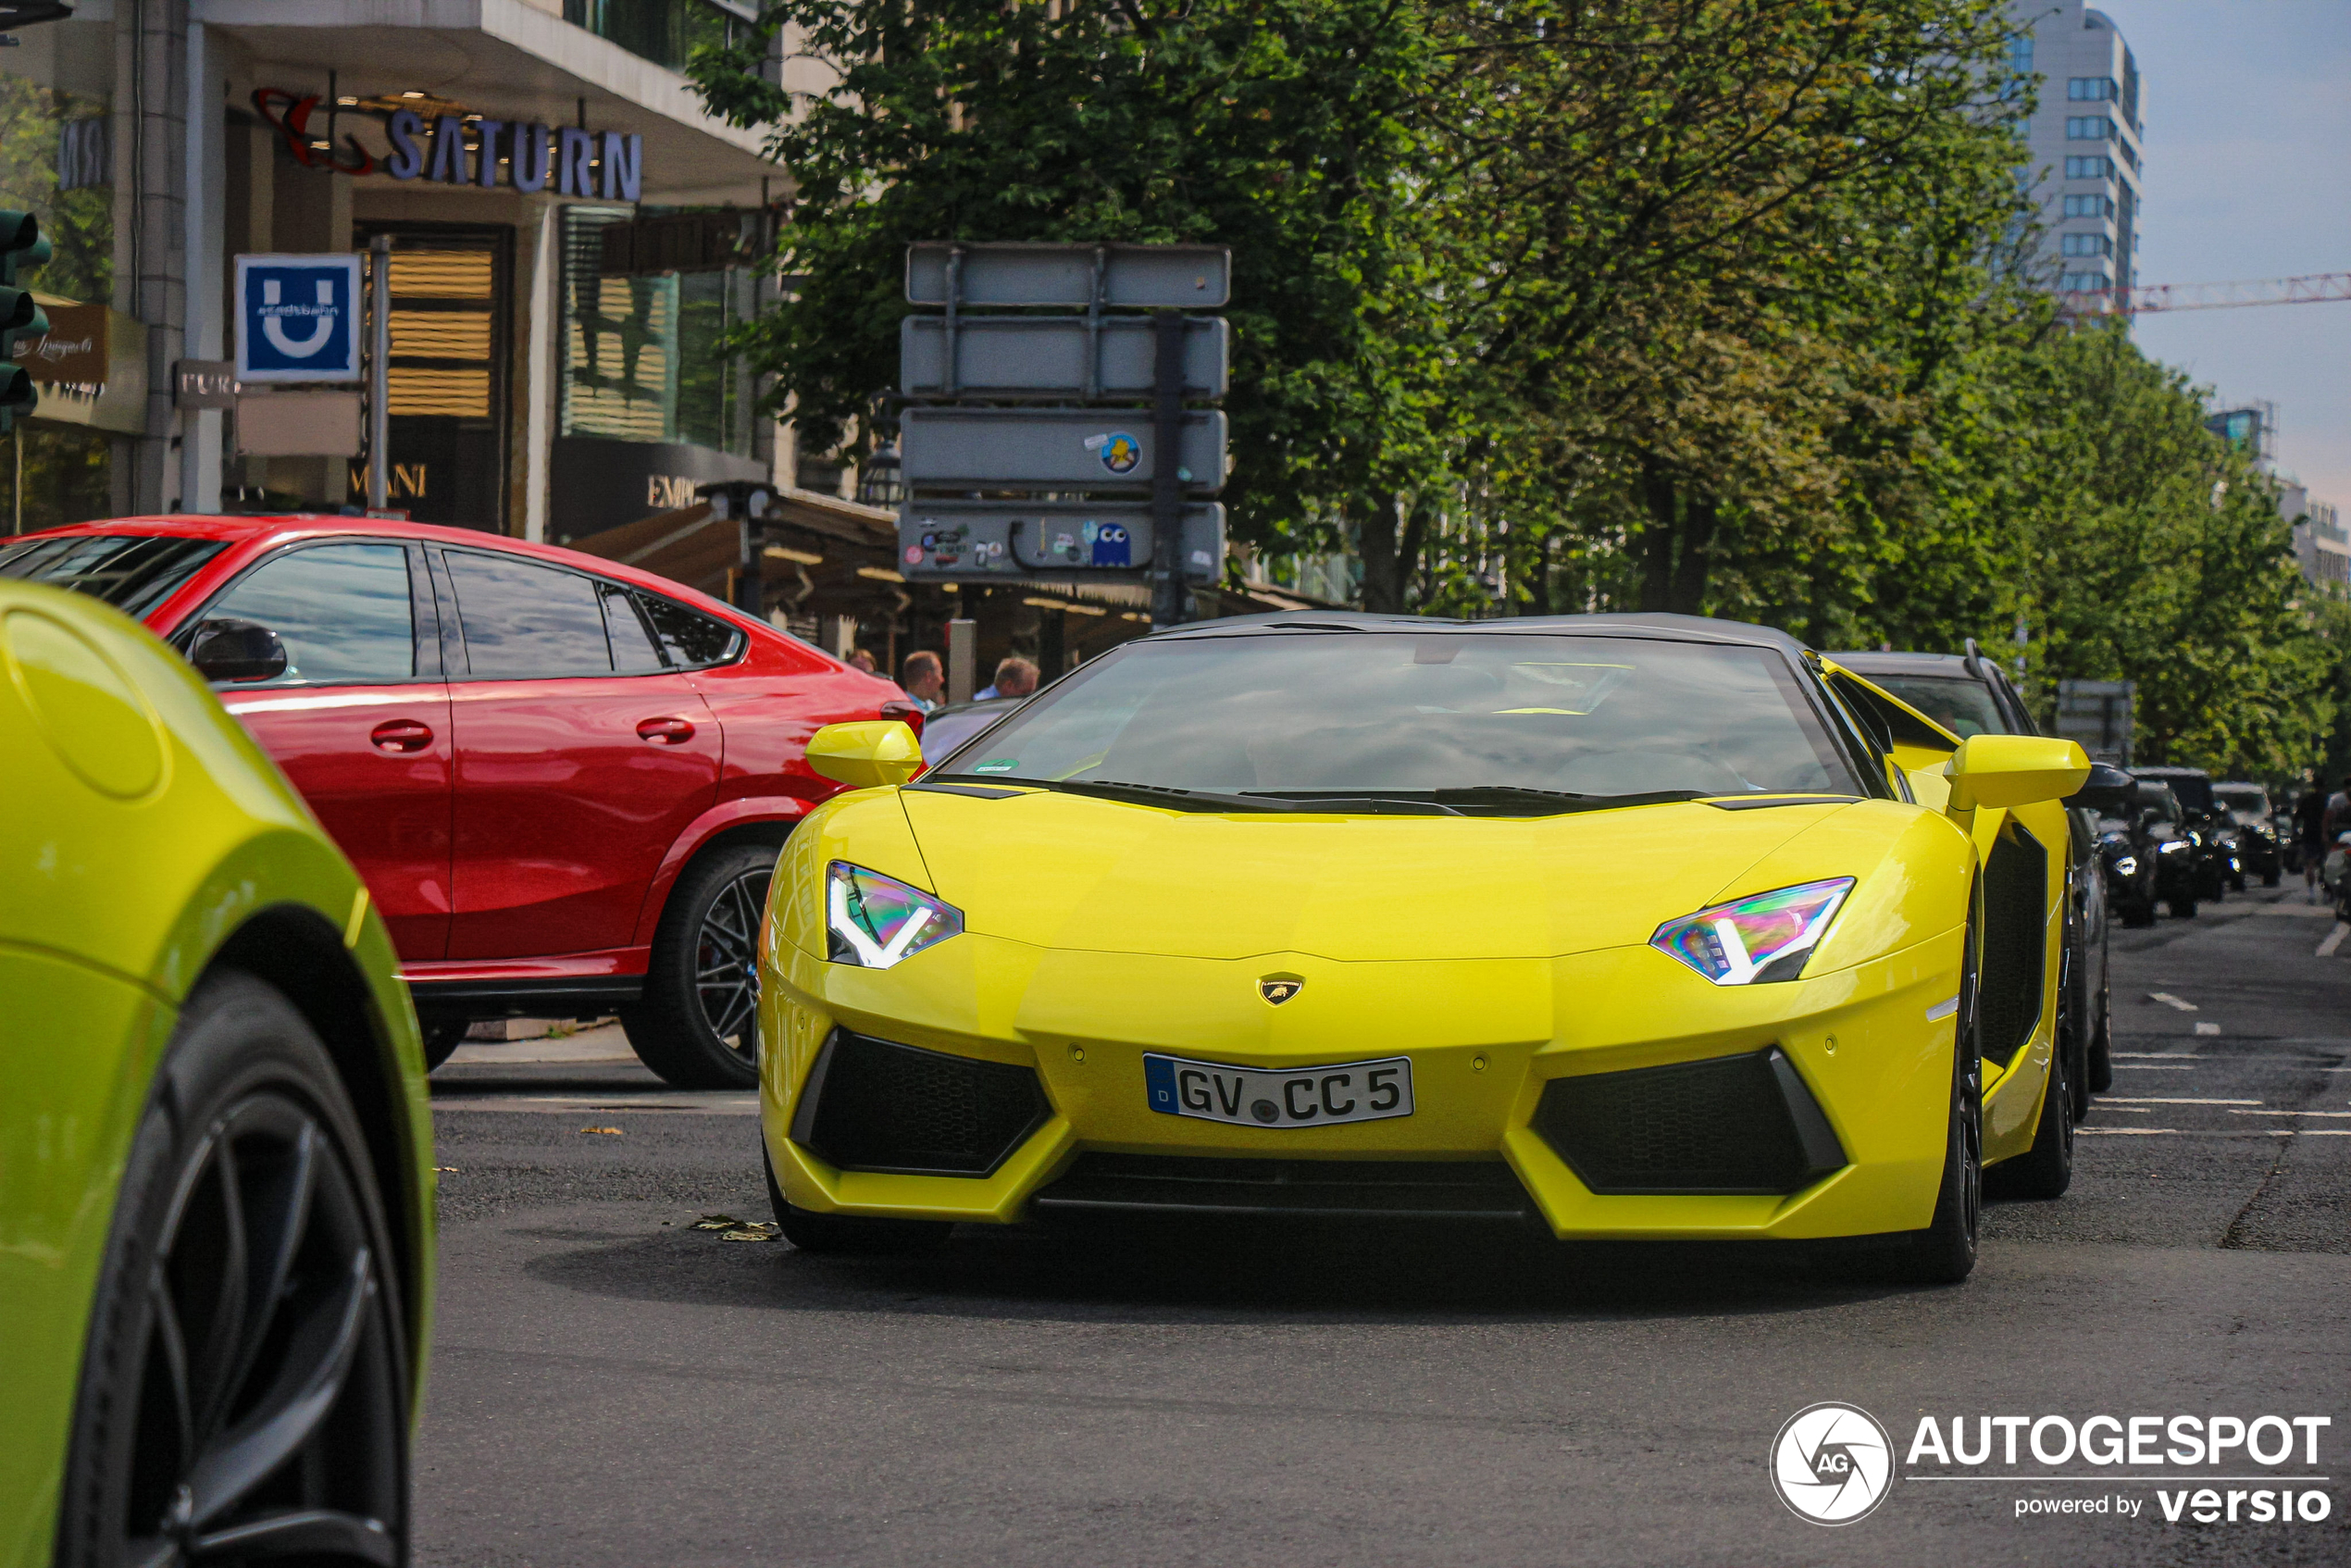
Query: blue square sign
[[298, 318]]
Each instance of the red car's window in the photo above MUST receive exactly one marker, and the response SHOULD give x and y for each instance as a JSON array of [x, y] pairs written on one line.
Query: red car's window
[[634, 652], [524, 621], [343, 612], [689, 637], [132, 572]]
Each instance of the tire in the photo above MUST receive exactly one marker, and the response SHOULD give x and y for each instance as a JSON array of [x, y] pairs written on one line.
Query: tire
[[698, 1024], [441, 1041], [2046, 1170], [2139, 916], [851, 1236], [2182, 906], [2237, 883], [248, 1208], [2270, 879], [2099, 1073], [1943, 1253]]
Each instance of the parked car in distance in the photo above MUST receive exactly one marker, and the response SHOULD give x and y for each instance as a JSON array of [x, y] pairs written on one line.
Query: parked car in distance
[[944, 728], [215, 1152], [565, 781], [2161, 817], [1967, 695], [2208, 826], [2129, 855], [2261, 848]]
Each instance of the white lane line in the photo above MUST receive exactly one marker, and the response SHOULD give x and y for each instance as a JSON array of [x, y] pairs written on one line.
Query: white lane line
[[2122, 1132], [2207, 1028], [2162, 1056], [2334, 939], [2169, 1001], [2124, 1110], [2344, 1115], [2166, 1100], [2151, 1067], [2301, 1132]]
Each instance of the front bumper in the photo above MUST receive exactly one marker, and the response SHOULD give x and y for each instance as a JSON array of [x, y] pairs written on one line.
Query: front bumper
[[1487, 1039]]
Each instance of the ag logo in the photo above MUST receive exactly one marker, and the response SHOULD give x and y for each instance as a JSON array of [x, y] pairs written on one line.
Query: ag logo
[[1832, 1464], [1278, 988]]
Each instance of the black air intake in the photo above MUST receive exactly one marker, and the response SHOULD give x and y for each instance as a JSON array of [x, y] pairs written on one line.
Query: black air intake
[[1185, 1184], [873, 1105], [1733, 1125]]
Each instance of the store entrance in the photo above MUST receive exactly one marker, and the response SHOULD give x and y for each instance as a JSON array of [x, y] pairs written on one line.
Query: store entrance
[[451, 306]]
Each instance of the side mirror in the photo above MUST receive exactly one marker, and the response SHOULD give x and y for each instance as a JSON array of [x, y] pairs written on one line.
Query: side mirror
[[2014, 770], [2107, 790], [236, 650], [870, 751]]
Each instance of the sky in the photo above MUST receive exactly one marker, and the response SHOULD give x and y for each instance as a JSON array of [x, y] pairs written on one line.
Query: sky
[[2248, 110]]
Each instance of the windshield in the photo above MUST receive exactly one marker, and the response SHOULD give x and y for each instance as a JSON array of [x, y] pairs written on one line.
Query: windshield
[[133, 572], [2248, 805], [1963, 707], [2193, 789], [1419, 714]]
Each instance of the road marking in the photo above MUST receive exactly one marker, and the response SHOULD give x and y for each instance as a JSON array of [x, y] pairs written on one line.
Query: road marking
[[2166, 1100], [2169, 1001], [2334, 939], [2157, 1056], [2301, 1132], [2342, 1114], [2122, 1109], [2202, 1028], [2151, 1067], [2124, 1132]]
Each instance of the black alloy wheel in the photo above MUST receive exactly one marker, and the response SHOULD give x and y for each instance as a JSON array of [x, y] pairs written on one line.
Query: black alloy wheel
[[698, 1024], [244, 1390], [1943, 1253], [2046, 1170]]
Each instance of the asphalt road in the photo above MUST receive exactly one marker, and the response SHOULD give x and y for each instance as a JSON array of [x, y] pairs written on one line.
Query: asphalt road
[[610, 1385]]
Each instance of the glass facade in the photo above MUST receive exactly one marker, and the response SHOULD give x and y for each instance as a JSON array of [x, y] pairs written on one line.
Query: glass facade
[[665, 31], [641, 358]]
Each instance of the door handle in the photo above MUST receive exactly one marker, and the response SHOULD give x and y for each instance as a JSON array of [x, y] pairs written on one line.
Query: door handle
[[401, 735], [666, 731]]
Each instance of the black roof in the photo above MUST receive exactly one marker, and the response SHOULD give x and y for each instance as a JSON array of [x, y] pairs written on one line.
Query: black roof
[[1675, 628], [2168, 773]]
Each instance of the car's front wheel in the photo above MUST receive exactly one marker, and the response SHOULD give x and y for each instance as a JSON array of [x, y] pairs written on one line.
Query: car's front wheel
[[244, 1386], [698, 1024]]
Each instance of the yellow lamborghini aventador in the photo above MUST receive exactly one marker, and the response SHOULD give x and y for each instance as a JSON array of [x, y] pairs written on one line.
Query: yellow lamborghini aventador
[[1635, 925]]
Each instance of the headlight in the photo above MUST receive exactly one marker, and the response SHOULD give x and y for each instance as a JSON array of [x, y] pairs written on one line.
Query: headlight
[[2170, 846], [872, 921], [2126, 865], [1764, 937]]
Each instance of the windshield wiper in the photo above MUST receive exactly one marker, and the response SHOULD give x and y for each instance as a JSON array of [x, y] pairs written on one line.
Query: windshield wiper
[[1406, 804], [1156, 795], [1555, 801]]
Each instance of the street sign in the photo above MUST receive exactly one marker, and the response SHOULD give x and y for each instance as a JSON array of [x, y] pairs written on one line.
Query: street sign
[[1079, 277], [971, 541], [1050, 355], [2097, 713], [298, 318], [1057, 449]]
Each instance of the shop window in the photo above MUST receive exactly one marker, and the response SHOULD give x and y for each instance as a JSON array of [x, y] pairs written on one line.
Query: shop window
[[450, 300], [643, 356]]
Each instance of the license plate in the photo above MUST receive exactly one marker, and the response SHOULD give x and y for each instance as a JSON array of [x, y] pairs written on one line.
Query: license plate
[[1294, 1097]]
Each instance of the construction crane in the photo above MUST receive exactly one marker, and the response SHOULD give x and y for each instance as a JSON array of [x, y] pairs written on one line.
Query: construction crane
[[2149, 297]]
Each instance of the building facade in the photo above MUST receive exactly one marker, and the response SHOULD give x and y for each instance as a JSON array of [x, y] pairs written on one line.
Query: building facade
[[570, 238], [2084, 140]]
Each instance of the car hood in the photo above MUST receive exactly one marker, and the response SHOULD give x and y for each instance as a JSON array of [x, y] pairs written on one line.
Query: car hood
[[1067, 871]]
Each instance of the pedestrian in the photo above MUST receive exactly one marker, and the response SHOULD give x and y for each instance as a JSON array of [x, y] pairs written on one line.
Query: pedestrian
[[2309, 834], [922, 679], [2338, 814], [1017, 677], [860, 660]]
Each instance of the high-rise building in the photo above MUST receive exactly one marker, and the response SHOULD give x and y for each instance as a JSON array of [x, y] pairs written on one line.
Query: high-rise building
[[2084, 141]]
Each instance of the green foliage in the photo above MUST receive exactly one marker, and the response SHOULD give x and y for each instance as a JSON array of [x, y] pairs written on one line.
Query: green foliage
[[1718, 306]]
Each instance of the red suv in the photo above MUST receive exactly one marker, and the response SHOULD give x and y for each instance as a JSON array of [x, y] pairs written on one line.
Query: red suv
[[565, 781]]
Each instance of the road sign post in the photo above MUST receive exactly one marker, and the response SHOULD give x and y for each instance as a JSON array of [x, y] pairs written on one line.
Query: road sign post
[[1065, 444]]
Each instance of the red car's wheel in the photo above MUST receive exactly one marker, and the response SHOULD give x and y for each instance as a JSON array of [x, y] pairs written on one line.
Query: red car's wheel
[[698, 1024]]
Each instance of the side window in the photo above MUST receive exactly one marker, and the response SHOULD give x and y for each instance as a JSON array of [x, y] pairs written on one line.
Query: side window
[[523, 620], [634, 652], [342, 612], [688, 637]]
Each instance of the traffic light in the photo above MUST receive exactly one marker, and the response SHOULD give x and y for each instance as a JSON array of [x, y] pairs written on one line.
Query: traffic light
[[21, 320]]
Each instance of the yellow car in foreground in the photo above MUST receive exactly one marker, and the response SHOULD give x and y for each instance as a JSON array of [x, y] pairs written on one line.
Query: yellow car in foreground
[[1632, 926]]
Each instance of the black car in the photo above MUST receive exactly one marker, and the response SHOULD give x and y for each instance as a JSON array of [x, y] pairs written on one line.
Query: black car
[[2261, 848], [2128, 855], [1967, 695], [2157, 825], [2208, 825]]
